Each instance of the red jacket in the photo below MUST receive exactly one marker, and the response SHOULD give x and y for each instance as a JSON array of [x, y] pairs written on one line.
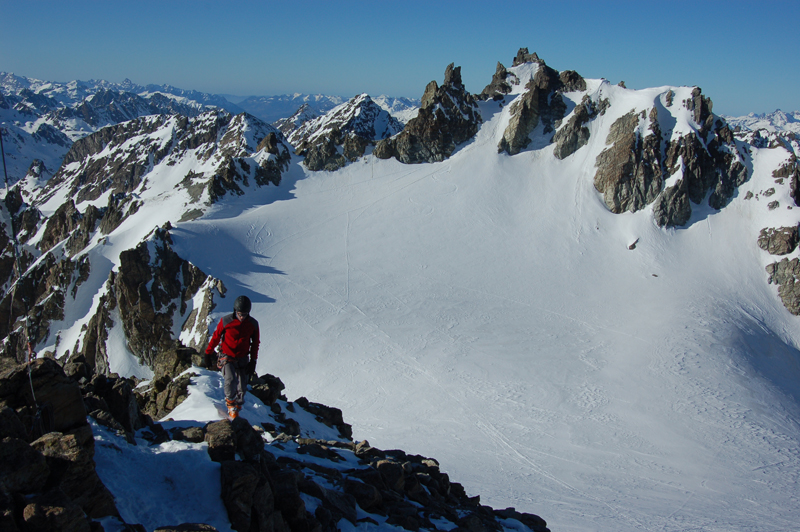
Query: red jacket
[[239, 338]]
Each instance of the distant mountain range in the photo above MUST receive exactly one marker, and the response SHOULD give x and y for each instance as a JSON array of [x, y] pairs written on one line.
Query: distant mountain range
[[44, 118], [773, 122]]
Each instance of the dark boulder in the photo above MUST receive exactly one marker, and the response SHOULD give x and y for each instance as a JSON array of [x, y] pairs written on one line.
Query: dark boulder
[[240, 481], [59, 400], [22, 468], [54, 511], [267, 388], [221, 441], [70, 458]]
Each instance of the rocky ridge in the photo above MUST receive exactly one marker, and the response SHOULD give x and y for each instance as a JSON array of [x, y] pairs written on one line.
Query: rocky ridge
[[448, 116]]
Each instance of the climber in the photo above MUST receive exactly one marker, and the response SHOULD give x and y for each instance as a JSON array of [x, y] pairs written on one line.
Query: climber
[[238, 338]]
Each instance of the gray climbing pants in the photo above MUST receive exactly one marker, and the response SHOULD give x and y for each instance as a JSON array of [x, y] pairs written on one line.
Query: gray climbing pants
[[235, 374]]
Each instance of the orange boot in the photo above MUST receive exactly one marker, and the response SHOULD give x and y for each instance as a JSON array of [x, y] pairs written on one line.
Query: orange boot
[[233, 409]]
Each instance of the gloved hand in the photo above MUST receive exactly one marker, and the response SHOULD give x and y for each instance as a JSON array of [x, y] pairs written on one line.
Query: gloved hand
[[251, 367], [210, 361]]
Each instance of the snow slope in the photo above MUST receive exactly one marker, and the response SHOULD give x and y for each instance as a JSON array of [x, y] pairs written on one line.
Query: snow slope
[[487, 311]]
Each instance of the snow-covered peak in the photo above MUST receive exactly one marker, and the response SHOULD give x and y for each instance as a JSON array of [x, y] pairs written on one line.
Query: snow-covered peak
[[403, 109], [303, 114], [360, 115]]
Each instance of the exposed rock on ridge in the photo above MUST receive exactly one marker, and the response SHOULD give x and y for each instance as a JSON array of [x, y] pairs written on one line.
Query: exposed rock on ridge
[[230, 143], [540, 103], [288, 125], [292, 484], [632, 172], [786, 274], [448, 116], [153, 289], [781, 241], [48, 479], [629, 172]]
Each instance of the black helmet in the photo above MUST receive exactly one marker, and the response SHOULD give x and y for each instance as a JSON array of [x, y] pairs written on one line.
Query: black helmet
[[242, 304]]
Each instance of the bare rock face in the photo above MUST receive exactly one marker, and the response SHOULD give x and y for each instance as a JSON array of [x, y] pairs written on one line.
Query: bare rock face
[[572, 81], [786, 274], [22, 468], [499, 86], [629, 172], [523, 56], [40, 296], [790, 170], [154, 286], [540, 102], [169, 386], [701, 108], [65, 411], [574, 134], [780, 241], [448, 116], [672, 207], [324, 155], [70, 457]]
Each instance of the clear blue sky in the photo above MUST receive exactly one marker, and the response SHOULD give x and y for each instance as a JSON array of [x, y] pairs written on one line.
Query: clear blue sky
[[743, 54]]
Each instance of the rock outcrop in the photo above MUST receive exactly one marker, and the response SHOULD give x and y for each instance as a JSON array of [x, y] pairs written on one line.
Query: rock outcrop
[[448, 116], [574, 134], [266, 488], [780, 241], [704, 163], [154, 288], [629, 173], [540, 103], [786, 274], [499, 86], [47, 473]]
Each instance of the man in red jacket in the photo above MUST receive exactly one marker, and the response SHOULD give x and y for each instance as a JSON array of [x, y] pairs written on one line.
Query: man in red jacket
[[238, 337]]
